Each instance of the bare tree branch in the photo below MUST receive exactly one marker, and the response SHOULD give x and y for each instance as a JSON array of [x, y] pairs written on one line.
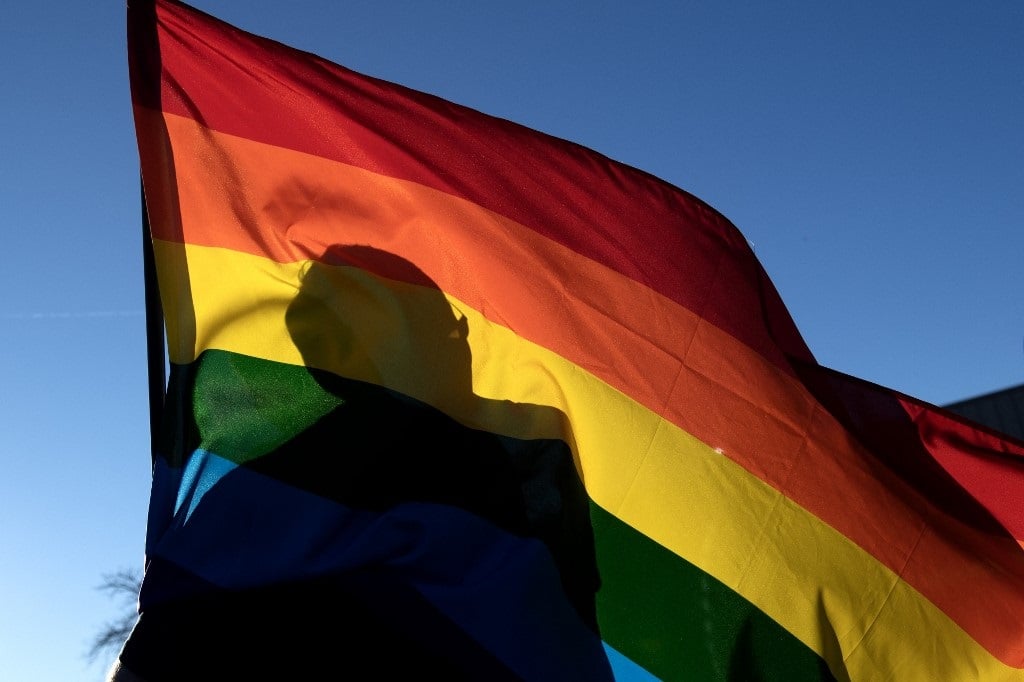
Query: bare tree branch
[[122, 585]]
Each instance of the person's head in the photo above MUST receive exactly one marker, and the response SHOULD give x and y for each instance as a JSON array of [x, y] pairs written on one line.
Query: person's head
[[371, 315]]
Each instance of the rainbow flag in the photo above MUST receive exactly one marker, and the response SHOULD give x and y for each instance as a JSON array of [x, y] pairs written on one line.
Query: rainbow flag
[[491, 404]]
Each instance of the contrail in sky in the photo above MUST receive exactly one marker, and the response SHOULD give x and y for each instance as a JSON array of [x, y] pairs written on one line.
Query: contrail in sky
[[82, 314]]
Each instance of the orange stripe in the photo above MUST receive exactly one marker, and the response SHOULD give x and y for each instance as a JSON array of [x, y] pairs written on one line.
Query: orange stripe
[[626, 219], [293, 206]]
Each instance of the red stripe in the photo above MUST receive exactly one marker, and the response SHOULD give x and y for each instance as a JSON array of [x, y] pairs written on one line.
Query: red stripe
[[626, 219]]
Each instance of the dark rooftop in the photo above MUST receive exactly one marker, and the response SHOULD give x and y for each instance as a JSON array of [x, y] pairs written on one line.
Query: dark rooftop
[[1001, 410]]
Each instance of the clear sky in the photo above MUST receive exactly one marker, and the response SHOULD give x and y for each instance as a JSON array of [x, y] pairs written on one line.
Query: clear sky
[[872, 152]]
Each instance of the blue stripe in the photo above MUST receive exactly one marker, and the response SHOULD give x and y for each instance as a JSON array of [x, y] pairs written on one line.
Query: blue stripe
[[624, 669], [201, 473], [238, 529]]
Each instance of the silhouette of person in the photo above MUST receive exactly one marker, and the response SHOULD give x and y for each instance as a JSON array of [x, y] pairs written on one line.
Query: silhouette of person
[[386, 535]]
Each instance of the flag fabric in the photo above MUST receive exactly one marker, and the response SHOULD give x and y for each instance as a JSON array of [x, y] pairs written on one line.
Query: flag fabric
[[451, 395]]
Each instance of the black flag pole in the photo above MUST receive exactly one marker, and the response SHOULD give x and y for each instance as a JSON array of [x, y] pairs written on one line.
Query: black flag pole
[[155, 349]]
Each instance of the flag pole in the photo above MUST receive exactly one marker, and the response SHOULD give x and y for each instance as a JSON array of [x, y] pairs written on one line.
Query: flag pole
[[155, 353]]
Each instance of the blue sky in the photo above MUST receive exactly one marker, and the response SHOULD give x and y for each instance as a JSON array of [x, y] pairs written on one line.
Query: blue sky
[[872, 153]]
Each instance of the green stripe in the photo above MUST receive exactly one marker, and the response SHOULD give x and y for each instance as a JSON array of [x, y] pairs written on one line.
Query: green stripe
[[654, 607], [680, 623], [239, 407], [246, 407], [371, 448]]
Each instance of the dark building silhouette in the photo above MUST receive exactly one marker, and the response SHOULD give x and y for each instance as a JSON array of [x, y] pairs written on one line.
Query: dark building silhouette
[[1000, 410]]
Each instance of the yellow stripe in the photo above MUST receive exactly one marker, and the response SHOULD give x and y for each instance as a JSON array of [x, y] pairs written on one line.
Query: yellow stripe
[[294, 206], [649, 473]]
